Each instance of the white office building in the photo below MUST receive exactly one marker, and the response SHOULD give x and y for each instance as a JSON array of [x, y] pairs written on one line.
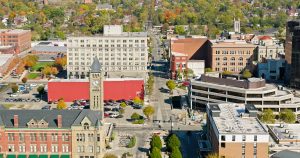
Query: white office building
[[116, 50]]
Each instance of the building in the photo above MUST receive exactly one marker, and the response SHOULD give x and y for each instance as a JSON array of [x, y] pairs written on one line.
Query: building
[[267, 48], [117, 51], [20, 39], [105, 6], [7, 50], [114, 88], [50, 48], [207, 89], [197, 66], [272, 70], [184, 50], [234, 131], [51, 133], [5, 60], [231, 55], [286, 154], [293, 52]]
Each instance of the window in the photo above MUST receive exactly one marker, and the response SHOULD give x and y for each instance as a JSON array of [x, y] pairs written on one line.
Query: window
[[223, 138], [255, 138], [54, 136], [233, 138], [11, 136], [43, 148], [11, 148], [65, 137], [91, 149], [65, 148], [98, 137], [98, 149], [32, 136], [54, 148], [223, 145], [32, 148], [90, 137], [21, 137], [22, 148], [244, 138]]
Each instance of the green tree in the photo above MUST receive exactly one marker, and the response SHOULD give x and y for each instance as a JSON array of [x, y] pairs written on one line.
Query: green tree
[[267, 116], [135, 116], [149, 111], [175, 153], [132, 142], [287, 115], [156, 142], [179, 30], [137, 100], [247, 74], [14, 88], [123, 104], [208, 69], [171, 85], [41, 90], [24, 80], [155, 153], [110, 156], [173, 142], [226, 73]]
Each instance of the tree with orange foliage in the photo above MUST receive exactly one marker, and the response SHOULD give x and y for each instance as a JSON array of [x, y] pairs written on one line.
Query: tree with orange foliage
[[61, 104], [48, 70], [61, 61]]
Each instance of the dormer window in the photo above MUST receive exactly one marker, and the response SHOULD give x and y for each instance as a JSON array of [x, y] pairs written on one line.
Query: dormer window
[[86, 126]]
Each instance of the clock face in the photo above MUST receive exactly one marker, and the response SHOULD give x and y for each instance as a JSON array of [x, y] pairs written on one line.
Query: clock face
[[95, 83]]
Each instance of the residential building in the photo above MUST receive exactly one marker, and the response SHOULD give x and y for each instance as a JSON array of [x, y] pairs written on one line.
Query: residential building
[[232, 89], [116, 50], [19, 39], [51, 133], [272, 70], [234, 131], [293, 52], [231, 55], [105, 6]]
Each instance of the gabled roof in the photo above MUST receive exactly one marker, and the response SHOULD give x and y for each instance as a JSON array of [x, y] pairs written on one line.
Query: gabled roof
[[188, 46], [96, 66], [69, 117], [264, 38]]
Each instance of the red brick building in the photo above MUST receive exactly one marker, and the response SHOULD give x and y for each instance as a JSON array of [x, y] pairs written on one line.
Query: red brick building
[[43, 133], [19, 39], [115, 89], [183, 50]]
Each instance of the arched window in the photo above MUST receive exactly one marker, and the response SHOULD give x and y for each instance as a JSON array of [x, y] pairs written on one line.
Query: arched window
[[224, 59], [86, 126], [240, 58], [232, 59]]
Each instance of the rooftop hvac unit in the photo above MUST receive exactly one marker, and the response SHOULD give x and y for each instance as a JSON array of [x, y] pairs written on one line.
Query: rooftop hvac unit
[[291, 136], [281, 125], [287, 131]]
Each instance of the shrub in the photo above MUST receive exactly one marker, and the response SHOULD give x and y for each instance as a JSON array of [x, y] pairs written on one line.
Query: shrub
[[123, 104], [156, 142], [140, 121], [132, 142]]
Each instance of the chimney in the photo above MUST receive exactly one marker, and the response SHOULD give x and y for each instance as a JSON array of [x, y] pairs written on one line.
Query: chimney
[[59, 121], [16, 121]]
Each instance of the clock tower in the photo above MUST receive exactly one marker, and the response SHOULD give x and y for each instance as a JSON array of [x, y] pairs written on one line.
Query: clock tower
[[96, 86]]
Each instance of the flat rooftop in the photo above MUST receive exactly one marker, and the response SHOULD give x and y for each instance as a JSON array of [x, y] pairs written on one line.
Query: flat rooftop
[[4, 58], [286, 131], [14, 31], [122, 35], [230, 120]]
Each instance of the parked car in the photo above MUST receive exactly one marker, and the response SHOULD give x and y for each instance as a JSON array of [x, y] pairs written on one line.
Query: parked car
[[13, 95], [33, 85], [106, 115], [47, 107], [136, 106], [113, 115]]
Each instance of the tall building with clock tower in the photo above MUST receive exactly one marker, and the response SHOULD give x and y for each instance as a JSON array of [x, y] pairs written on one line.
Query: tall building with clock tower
[[96, 86]]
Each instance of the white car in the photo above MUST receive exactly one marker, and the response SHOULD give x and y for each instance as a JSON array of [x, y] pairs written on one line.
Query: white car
[[33, 85], [13, 95], [113, 115]]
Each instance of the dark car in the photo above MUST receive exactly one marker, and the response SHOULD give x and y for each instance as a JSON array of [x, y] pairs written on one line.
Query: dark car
[[106, 115], [25, 92], [135, 106], [47, 107]]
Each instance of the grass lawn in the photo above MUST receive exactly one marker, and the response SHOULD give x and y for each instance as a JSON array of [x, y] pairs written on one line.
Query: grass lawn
[[8, 106], [33, 75], [40, 65]]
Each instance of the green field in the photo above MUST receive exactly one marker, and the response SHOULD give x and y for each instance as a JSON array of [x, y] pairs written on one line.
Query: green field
[[40, 65], [33, 75], [8, 106]]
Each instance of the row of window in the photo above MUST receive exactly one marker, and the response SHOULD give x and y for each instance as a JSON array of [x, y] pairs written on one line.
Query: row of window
[[90, 149], [223, 138], [231, 63], [239, 52], [137, 67], [43, 148], [106, 54], [232, 59], [229, 69], [40, 136], [81, 137], [107, 59], [107, 49], [107, 41]]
